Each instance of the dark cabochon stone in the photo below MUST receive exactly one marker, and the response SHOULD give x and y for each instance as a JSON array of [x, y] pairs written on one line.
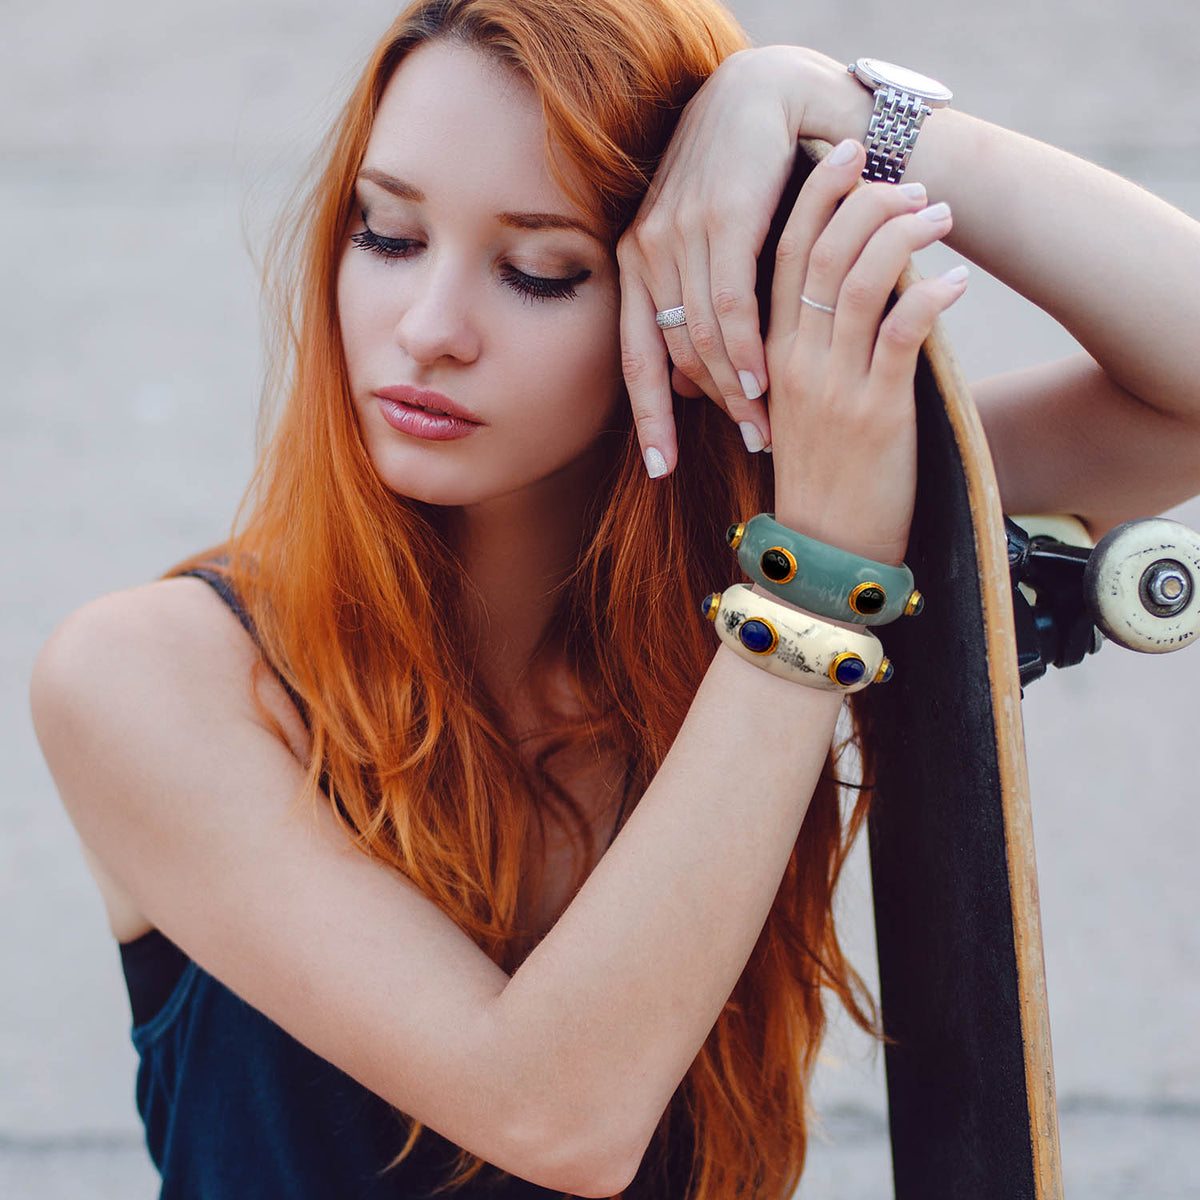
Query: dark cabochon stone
[[849, 670], [870, 600], [775, 565], [756, 635]]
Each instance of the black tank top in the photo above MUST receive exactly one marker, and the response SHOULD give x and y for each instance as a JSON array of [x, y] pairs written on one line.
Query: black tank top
[[236, 1109]]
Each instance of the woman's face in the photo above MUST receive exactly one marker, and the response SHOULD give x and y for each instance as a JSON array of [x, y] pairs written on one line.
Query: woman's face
[[469, 274]]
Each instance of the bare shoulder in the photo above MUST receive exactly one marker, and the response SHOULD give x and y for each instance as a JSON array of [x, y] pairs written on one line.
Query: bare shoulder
[[165, 627], [124, 649], [135, 652]]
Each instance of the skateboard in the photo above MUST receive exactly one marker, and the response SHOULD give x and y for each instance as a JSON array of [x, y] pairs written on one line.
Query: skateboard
[[958, 931], [970, 1076]]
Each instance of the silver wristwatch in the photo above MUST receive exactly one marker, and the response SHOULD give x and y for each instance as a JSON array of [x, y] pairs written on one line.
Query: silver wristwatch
[[903, 99]]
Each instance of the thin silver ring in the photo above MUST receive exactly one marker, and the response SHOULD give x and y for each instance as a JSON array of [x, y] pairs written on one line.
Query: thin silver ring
[[670, 318], [829, 308]]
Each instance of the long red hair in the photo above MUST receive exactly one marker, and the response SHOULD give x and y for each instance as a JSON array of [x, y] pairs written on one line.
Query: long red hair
[[355, 593]]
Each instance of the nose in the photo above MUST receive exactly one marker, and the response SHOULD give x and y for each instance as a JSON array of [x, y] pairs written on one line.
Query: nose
[[439, 317]]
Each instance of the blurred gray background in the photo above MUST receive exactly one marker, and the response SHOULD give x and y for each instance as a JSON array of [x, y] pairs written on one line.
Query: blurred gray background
[[144, 148]]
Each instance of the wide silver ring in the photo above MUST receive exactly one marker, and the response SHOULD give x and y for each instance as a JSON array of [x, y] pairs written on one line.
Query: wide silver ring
[[670, 318], [829, 308]]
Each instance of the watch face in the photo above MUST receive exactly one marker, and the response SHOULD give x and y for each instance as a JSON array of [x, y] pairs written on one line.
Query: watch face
[[874, 72]]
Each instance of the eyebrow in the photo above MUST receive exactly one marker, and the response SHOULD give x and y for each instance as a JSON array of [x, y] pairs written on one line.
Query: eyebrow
[[515, 220]]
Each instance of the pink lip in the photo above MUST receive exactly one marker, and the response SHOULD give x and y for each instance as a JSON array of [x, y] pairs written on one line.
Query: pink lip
[[420, 398], [403, 409]]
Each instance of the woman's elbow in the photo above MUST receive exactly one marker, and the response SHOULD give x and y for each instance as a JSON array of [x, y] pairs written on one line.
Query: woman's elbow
[[595, 1157], [588, 1171]]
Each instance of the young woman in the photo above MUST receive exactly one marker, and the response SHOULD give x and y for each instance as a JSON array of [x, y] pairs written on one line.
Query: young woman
[[428, 793]]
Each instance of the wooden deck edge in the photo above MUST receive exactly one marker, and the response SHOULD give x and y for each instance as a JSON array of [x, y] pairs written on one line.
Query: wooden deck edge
[[983, 497]]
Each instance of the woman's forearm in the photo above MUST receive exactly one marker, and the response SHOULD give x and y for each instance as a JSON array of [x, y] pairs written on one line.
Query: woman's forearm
[[1115, 265], [625, 988]]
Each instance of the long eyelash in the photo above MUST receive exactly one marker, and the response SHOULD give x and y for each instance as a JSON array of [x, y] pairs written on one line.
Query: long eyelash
[[368, 239], [535, 287], [531, 287]]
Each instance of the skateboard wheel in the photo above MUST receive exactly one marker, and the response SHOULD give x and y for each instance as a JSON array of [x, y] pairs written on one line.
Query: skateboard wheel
[[1142, 585]]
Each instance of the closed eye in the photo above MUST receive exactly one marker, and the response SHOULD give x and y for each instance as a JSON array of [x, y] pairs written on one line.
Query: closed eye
[[532, 287], [538, 287], [385, 247]]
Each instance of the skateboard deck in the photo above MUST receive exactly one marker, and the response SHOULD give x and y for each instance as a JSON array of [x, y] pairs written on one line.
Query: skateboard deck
[[962, 980]]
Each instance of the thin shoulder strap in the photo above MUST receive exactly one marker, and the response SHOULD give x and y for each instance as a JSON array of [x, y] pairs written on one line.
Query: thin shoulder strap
[[223, 586]]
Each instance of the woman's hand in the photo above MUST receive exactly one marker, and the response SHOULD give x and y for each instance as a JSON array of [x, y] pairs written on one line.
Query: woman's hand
[[698, 233], [842, 408]]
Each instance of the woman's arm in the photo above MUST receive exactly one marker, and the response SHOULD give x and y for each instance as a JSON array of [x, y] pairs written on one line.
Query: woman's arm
[[1109, 435], [559, 1074], [1114, 264], [1066, 437]]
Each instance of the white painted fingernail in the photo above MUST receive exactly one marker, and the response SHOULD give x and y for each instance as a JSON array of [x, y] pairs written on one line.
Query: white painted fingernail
[[957, 274], [656, 465], [749, 385], [935, 212], [768, 449], [914, 191], [751, 436], [843, 152]]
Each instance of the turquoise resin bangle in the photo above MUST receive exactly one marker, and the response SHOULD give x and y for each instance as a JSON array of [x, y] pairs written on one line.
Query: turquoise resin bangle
[[794, 645], [822, 579]]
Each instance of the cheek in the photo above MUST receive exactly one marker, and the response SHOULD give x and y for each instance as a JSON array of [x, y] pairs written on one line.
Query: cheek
[[359, 318], [594, 350], [580, 384], [346, 315]]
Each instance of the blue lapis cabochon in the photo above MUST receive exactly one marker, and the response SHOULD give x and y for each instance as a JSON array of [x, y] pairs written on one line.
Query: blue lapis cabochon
[[757, 635], [850, 670]]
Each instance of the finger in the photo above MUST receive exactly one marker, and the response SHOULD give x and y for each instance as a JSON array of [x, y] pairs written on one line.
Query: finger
[[732, 278], [684, 386], [704, 388], [910, 322], [831, 179], [840, 245], [700, 383], [644, 365], [698, 350], [868, 285]]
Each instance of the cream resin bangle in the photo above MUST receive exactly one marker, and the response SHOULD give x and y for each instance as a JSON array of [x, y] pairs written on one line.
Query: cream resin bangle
[[794, 645]]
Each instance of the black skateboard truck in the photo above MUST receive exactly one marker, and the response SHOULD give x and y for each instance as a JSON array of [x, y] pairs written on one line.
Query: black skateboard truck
[[1139, 587]]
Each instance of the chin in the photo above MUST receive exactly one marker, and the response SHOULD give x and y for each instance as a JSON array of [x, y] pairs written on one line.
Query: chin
[[475, 480], [445, 493]]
